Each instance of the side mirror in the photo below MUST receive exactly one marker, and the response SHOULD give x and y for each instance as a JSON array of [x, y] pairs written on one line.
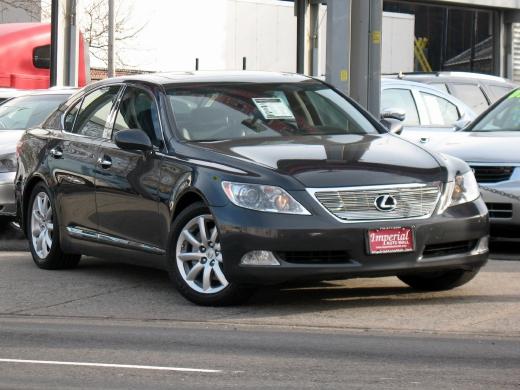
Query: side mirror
[[393, 113], [394, 126], [133, 139], [461, 124]]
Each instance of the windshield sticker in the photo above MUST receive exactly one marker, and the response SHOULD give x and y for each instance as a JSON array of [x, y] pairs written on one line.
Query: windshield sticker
[[273, 108]]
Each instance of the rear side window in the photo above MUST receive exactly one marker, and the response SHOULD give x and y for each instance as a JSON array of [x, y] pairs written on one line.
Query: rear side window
[[440, 111], [498, 91], [470, 94], [403, 99], [92, 116]]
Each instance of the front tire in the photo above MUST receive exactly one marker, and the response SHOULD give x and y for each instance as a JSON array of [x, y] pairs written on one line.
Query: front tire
[[43, 232], [439, 281], [195, 262]]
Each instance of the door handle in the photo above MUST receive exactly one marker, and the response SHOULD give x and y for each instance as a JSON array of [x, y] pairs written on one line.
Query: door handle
[[56, 153], [105, 162], [424, 140]]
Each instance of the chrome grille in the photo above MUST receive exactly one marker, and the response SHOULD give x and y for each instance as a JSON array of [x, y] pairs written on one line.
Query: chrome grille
[[358, 204]]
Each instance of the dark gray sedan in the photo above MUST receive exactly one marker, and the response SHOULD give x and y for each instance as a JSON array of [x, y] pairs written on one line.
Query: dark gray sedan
[[232, 180]]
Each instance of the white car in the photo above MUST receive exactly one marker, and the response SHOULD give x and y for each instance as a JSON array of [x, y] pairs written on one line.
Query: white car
[[428, 114], [17, 115]]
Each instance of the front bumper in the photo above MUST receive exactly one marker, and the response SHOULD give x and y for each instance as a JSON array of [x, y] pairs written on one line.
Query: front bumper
[[7, 201], [242, 231], [503, 200]]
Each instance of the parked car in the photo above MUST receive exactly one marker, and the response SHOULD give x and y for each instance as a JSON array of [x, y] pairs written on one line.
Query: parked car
[[232, 180], [9, 93], [477, 90], [491, 146], [427, 113], [16, 115]]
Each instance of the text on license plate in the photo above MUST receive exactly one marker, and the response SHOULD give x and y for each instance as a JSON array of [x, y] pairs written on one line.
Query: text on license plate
[[390, 240]]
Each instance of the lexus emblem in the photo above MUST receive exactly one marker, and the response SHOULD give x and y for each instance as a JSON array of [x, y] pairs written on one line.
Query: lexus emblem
[[385, 203]]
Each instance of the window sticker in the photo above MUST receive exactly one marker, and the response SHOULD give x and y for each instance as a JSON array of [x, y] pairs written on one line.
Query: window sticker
[[273, 108]]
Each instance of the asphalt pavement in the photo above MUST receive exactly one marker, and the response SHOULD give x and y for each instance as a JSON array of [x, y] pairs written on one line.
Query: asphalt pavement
[[118, 326]]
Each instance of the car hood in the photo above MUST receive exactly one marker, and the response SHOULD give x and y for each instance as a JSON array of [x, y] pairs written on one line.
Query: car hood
[[8, 140], [482, 147], [337, 161]]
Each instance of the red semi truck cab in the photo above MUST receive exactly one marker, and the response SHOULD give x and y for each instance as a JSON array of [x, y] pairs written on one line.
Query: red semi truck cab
[[25, 56]]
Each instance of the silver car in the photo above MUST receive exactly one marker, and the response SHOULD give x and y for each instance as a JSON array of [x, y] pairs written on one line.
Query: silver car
[[16, 115], [491, 146], [429, 114]]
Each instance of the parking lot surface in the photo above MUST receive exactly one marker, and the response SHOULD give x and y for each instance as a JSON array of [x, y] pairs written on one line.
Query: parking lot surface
[[61, 329]]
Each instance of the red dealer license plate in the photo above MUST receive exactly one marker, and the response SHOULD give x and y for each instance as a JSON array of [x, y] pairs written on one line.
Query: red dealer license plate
[[391, 240]]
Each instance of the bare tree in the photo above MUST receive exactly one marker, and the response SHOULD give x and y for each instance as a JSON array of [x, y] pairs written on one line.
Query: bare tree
[[31, 7], [94, 25]]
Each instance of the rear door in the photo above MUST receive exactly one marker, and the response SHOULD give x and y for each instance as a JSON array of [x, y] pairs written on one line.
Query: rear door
[[73, 157], [127, 181], [438, 117]]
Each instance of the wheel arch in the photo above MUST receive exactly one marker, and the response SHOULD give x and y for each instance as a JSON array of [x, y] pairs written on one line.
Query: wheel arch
[[27, 190], [185, 199]]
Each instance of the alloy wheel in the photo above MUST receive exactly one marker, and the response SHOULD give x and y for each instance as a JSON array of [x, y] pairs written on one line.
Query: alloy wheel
[[41, 225], [198, 256]]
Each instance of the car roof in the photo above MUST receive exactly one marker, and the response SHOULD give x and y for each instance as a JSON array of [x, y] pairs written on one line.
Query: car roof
[[451, 76], [171, 78]]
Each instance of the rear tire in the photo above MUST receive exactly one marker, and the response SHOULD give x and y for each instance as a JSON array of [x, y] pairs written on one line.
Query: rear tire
[[439, 281], [195, 263], [44, 234]]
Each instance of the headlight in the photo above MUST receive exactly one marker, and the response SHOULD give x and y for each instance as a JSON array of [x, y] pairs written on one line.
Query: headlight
[[8, 163], [463, 189], [262, 198]]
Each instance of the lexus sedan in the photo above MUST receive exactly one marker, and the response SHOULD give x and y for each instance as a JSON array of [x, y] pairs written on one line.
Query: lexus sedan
[[491, 146], [231, 180], [16, 115]]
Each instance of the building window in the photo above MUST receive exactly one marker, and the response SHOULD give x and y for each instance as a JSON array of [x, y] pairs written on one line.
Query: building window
[[459, 39]]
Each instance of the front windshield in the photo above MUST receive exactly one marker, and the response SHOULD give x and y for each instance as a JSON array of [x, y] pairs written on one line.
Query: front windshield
[[212, 112], [504, 117], [25, 112]]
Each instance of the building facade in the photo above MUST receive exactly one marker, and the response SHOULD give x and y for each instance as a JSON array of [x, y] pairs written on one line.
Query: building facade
[[469, 35]]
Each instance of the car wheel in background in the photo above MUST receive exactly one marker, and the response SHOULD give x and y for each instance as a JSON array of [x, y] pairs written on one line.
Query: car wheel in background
[[43, 232], [195, 262]]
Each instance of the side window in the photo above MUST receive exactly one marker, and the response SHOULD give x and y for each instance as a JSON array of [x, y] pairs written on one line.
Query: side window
[[441, 111], [138, 110], [95, 109], [498, 91], [403, 99], [470, 94], [70, 116]]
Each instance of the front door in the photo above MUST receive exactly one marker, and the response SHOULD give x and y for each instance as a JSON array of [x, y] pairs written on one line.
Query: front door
[[73, 157], [127, 181]]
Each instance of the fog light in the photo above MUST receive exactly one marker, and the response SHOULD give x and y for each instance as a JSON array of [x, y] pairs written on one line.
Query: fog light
[[259, 258], [483, 245]]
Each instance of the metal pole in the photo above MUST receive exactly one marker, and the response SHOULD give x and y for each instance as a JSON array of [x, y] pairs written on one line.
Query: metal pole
[[374, 57], [339, 44], [67, 43], [367, 21], [300, 8], [54, 43], [111, 71]]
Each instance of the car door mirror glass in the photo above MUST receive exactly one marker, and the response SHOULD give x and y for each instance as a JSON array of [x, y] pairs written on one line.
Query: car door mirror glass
[[393, 125], [133, 139]]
